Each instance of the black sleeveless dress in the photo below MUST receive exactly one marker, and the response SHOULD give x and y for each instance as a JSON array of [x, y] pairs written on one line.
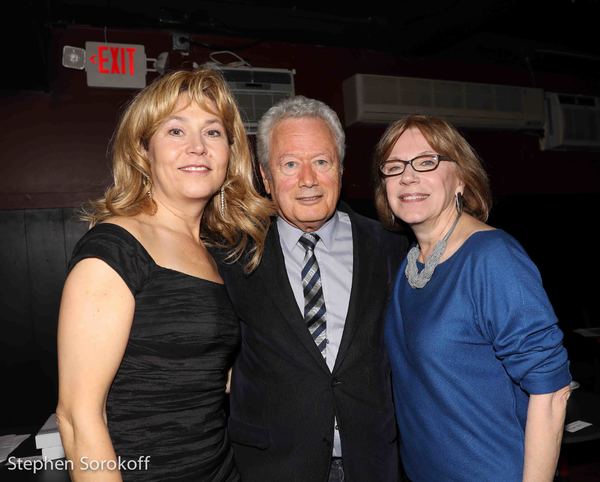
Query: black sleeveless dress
[[167, 400]]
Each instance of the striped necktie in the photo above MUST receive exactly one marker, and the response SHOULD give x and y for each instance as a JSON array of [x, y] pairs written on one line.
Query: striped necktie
[[314, 302]]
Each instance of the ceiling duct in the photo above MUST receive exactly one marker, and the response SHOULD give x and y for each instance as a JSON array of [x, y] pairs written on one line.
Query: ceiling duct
[[256, 90], [378, 99], [572, 122]]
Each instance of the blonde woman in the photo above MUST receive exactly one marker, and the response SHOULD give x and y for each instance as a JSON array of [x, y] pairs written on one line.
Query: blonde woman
[[146, 331]]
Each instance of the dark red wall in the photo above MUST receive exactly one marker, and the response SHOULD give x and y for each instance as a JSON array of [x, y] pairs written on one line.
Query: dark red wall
[[53, 144]]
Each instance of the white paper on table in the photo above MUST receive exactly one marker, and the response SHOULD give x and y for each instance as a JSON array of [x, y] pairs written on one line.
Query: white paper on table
[[588, 332], [53, 453], [48, 435], [8, 443], [576, 426]]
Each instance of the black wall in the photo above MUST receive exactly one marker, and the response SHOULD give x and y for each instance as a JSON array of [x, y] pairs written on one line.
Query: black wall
[[34, 250]]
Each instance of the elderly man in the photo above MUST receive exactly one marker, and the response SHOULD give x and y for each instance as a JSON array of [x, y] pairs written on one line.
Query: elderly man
[[310, 392]]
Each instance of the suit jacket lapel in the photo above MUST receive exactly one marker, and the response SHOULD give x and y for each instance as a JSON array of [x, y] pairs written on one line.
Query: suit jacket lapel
[[361, 281], [273, 273]]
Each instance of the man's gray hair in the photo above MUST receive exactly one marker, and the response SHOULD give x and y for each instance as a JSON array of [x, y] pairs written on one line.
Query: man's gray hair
[[297, 107]]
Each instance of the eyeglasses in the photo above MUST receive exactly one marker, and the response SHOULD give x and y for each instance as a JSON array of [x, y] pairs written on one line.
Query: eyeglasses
[[425, 163], [291, 168]]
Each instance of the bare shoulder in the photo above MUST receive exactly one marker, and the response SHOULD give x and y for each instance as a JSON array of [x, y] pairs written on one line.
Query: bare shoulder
[[94, 275], [137, 226], [133, 224], [467, 226], [473, 225]]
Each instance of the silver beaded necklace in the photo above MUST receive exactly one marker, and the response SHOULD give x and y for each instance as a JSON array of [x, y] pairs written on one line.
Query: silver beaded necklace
[[418, 279]]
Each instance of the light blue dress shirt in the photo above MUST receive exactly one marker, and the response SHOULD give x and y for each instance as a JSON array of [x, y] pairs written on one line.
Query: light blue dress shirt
[[334, 254]]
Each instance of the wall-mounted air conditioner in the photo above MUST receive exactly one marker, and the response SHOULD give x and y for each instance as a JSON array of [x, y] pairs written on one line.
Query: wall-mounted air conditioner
[[257, 89], [378, 99], [572, 122]]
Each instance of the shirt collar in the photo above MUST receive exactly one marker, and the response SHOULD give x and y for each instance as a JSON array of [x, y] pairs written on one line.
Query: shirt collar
[[290, 234]]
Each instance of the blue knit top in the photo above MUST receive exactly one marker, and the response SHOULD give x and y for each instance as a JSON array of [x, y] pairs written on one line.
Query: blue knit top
[[466, 350]]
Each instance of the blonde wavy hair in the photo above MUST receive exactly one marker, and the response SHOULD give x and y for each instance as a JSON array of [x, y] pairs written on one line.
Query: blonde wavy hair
[[242, 227], [446, 140]]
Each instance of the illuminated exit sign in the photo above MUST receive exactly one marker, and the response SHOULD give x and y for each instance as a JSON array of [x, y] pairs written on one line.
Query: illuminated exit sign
[[115, 65]]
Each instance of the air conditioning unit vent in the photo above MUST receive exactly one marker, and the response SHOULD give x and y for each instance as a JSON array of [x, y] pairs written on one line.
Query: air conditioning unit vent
[[257, 89], [572, 122], [378, 99]]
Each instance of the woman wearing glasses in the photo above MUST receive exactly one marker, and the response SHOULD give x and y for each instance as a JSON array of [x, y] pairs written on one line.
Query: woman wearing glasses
[[479, 371]]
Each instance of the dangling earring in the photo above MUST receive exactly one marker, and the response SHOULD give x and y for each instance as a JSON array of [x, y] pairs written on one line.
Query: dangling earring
[[148, 184], [392, 217], [459, 202], [222, 202]]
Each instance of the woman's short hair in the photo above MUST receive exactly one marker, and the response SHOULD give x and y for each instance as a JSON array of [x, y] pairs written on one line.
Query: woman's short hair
[[246, 215], [297, 107], [443, 139]]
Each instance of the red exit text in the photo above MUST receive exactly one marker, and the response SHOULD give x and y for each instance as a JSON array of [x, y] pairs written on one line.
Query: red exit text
[[114, 60]]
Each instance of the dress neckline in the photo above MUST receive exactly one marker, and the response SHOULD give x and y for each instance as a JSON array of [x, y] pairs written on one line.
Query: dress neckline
[[138, 242], [473, 235]]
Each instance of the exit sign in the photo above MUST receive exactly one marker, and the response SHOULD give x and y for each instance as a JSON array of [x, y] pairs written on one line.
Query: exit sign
[[115, 65]]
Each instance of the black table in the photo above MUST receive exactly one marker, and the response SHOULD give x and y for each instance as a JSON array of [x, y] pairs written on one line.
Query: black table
[[585, 406], [24, 471], [49, 475]]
